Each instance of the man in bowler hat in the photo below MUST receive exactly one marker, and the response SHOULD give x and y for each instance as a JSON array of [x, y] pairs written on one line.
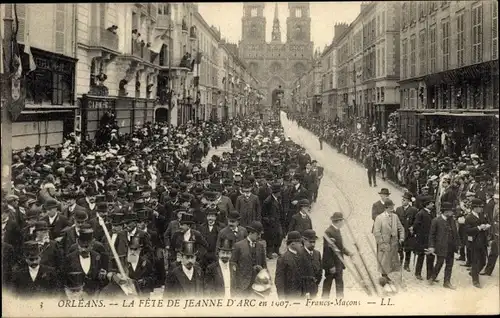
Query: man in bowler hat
[[313, 257], [290, 269], [249, 255], [233, 231], [333, 257]]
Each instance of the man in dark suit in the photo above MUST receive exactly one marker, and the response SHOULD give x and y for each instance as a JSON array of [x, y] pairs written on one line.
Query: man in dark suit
[[272, 211], [313, 257], [378, 207], [297, 192], [188, 233], [11, 232], [185, 280], [476, 228], [210, 231], [301, 221], [32, 278], [333, 257], [50, 252], [89, 201], [233, 231], [248, 205], [494, 240], [443, 242], [310, 181], [406, 214], [250, 258], [140, 264], [489, 206], [220, 276], [290, 269], [371, 166], [421, 228], [87, 261], [71, 233], [55, 220]]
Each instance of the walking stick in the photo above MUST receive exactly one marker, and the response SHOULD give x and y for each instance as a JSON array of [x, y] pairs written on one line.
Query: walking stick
[[378, 261]]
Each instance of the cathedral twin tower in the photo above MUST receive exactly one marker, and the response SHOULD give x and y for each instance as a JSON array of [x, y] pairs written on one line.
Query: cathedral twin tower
[[276, 63]]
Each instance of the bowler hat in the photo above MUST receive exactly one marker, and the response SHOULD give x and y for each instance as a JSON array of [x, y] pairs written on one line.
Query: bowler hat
[[255, 226], [90, 192], [75, 280], [185, 197], [226, 245], [188, 248], [233, 215], [210, 196], [407, 195], [304, 202], [50, 204], [31, 249], [293, 236], [426, 199], [246, 185], [80, 215], [388, 203], [310, 235], [337, 216], [211, 209], [41, 226], [447, 206], [384, 191]]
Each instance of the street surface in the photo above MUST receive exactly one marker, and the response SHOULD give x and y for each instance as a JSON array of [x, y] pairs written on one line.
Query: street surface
[[344, 188]]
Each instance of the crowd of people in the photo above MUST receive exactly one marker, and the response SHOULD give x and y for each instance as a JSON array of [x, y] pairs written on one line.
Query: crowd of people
[[450, 201], [140, 214]]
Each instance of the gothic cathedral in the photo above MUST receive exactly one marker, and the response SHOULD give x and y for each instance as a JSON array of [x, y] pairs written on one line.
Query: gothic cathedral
[[276, 63]]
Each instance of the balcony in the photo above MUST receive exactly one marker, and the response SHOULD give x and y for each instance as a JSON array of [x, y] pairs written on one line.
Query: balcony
[[152, 10], [101, 37], [137, 49]]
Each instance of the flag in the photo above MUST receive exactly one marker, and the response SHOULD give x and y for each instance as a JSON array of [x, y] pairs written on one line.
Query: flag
[[27, 50], [18, 91], [156, 45]]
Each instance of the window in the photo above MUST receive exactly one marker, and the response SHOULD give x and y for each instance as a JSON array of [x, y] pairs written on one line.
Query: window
[[432, 6], [445, 30], [460, 39], [421, 9], [413, 12], [164, 9], [413, 58], [378, 25], [383, 22], [422, 50], [404, 15], [382, 71], [298, 13], [494, 31], [405, 58], [432, 48], [477, 34], [51, 82]]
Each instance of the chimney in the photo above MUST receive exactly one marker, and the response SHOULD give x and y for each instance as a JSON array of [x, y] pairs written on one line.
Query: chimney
[[339, 29]]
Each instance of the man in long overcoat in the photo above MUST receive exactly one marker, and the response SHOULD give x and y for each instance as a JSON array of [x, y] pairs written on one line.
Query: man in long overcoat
[[406, 214], [289, 269], [248, 205], [271, 215], [389, 234], [421, 228]]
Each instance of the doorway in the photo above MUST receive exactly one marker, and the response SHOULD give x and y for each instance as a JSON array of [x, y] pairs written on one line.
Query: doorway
[[161, 115]]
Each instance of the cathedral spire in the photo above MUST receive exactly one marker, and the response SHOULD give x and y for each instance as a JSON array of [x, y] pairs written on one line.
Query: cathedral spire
[[276, 34]]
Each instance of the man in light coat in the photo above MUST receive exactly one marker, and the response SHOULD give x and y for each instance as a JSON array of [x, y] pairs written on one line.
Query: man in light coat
[[389, 234]]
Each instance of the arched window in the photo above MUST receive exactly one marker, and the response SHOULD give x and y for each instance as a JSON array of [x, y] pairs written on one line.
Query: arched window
[[298, 13]]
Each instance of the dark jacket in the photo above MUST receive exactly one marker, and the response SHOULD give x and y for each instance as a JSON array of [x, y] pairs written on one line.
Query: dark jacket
[[214, 282], [245, 262], [143, 274], [299, 223], [289, 272], [443, 236], [249, 209], [211, 238], [92, 282], [46, 283], [421, 228], [60, 223], [331, 259], [227, 233], [177, 284], [476, 238], [407, 218]]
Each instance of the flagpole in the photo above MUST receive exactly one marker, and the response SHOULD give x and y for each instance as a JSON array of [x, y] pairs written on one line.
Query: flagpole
[[6, 119]]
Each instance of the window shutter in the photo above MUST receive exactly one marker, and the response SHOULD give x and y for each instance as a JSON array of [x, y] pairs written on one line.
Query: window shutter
[[21, 17], [60, 24]]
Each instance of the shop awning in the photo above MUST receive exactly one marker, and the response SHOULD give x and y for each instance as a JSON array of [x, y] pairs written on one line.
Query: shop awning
[[468, 114]]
